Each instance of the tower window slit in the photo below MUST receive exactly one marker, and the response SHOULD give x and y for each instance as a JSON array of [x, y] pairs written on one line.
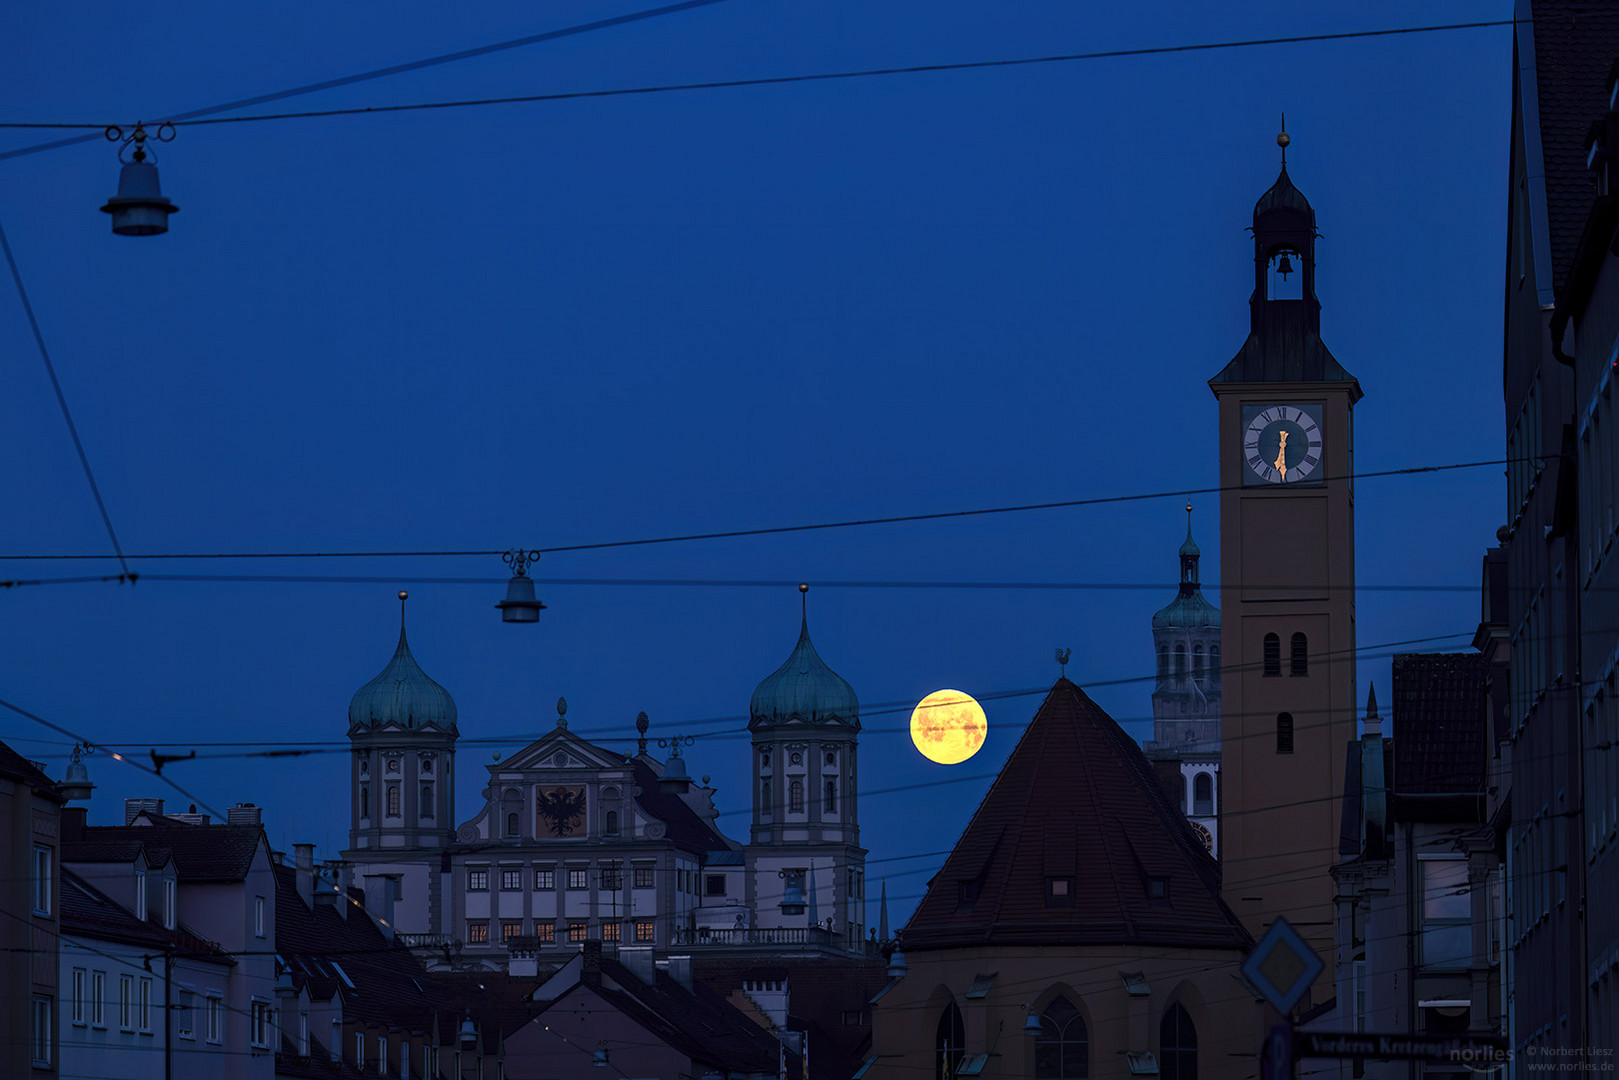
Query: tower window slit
[[1284, 733], [1300, 663], [1273, 656]]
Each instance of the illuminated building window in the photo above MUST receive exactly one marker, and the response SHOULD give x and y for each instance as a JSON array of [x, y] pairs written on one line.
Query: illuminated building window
[[1284, 733], [509, 930], [644, 930], [1300, 664], [546, 932], [477, 931], [1273, 656]]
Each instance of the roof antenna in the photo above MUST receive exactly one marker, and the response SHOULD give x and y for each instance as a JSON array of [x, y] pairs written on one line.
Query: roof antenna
[[1282, 140]]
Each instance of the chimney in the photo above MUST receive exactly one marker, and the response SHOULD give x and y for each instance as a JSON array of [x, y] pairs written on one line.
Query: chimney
[[74, 820], [638, 958], [590, 970], [243, 813], [303, 861], [679, 969], [133, 808], [328, 893]]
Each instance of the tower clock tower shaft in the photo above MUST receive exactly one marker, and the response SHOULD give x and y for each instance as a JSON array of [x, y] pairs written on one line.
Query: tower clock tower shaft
[[1287, 590]]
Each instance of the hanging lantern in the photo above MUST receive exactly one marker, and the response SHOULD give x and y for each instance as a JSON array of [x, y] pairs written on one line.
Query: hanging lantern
[[520, 605], [1032, 1026], [139, 208]]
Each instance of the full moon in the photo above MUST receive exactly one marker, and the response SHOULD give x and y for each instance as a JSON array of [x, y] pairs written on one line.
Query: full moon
[[948, 726]]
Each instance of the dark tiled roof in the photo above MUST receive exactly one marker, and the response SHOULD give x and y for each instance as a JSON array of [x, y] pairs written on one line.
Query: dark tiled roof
[[1440, 723], [685, 828], [89, 912], [1575, 45], [200, 852], [698, 1023], [820, 992], [1076, 799], [321, 947]]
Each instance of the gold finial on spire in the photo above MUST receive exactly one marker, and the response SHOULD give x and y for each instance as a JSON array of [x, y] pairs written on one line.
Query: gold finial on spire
[[1282, 140]]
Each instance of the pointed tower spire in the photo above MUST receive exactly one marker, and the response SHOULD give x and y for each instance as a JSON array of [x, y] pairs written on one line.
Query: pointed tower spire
[[882, 914], [1374, 723]]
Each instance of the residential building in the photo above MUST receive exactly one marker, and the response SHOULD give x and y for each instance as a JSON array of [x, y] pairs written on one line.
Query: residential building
[[1075, 929], [1563, 51], [30, 822], [223, 892]]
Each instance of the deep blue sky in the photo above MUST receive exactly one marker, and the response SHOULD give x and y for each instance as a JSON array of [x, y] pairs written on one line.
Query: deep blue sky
[[558, 323]]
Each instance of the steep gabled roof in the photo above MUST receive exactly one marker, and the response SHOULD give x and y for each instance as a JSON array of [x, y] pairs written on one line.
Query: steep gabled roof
[[1441, 724], [685, 828], [1076, 799], [1575, 42], [13, 766], [200, 852]]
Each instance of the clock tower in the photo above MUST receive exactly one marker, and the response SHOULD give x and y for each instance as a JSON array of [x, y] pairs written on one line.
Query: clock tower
[[1287, 588]]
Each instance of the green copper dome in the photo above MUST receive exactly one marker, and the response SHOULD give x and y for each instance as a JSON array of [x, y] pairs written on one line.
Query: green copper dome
[[806, 689], [1189, 610], [402, 694]]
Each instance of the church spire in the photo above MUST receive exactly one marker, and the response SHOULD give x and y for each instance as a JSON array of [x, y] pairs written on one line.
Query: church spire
[[1190, 554]]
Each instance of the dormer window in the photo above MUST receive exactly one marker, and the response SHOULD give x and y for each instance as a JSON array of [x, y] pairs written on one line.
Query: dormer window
[[1059, 892], [1157, 888]]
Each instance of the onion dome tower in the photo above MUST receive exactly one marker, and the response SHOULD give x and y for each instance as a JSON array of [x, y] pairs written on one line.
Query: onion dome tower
[[805, 722], [1186, 639], [402, 729]]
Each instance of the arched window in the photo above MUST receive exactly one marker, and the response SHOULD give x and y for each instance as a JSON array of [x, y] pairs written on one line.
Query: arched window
[[764, 799], [1273, 656], [1214, 664], [393, 800], [949, 1043], [1197, 663], [1163, 662], [424, 805], [1301, 656], [612, 823], [511, 823], [1284, 733], [1062, 1049], [795, 797], [365, 800], [1177, 1045], [1182, 804], [831, 796], [1203, 795], [1180, 661]]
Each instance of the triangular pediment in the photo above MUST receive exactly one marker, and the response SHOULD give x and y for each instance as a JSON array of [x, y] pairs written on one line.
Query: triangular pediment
[[560, 749]]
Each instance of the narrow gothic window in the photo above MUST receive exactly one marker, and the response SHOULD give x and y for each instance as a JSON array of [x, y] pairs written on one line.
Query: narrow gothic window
[[795, 797], [393, 800], [1284, 733], [831, 796], [1203, 795], [1301, 656], [1062, 1049], [365, 800], [949, 1043], [1177, 1045], [764, 798], [1273, 655]]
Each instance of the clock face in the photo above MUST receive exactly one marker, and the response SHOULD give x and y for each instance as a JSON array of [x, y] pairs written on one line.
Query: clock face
[[1204, 835], [1281, 444]]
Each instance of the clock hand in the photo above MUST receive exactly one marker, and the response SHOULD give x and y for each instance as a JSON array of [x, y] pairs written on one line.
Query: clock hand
[[1281, 455]]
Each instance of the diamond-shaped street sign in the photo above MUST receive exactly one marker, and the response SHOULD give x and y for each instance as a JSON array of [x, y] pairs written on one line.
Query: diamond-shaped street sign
[[1282, 966]]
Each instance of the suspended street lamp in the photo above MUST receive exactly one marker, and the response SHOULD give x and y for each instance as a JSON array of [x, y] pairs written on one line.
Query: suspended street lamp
[[139, 208], [520, 605]]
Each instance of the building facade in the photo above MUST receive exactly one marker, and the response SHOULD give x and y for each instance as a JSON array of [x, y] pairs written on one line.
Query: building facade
[[1287, 589], [30, 820]]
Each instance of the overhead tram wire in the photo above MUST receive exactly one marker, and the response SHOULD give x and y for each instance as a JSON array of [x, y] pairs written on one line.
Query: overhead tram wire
[[196, 118], [61, 398], [194, 115], [775, 530]]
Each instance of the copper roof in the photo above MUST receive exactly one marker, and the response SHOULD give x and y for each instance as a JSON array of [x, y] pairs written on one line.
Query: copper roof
[[1077, 800]]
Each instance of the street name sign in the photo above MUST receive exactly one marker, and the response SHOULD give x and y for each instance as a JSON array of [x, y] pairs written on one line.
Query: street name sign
[[1473, 1049]]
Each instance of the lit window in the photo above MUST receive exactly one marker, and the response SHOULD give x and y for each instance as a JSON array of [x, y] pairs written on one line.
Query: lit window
[[644, 930], [610, 931], [546, 932], [44, 879], [576, 931], [509, 930], [477, 932]]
